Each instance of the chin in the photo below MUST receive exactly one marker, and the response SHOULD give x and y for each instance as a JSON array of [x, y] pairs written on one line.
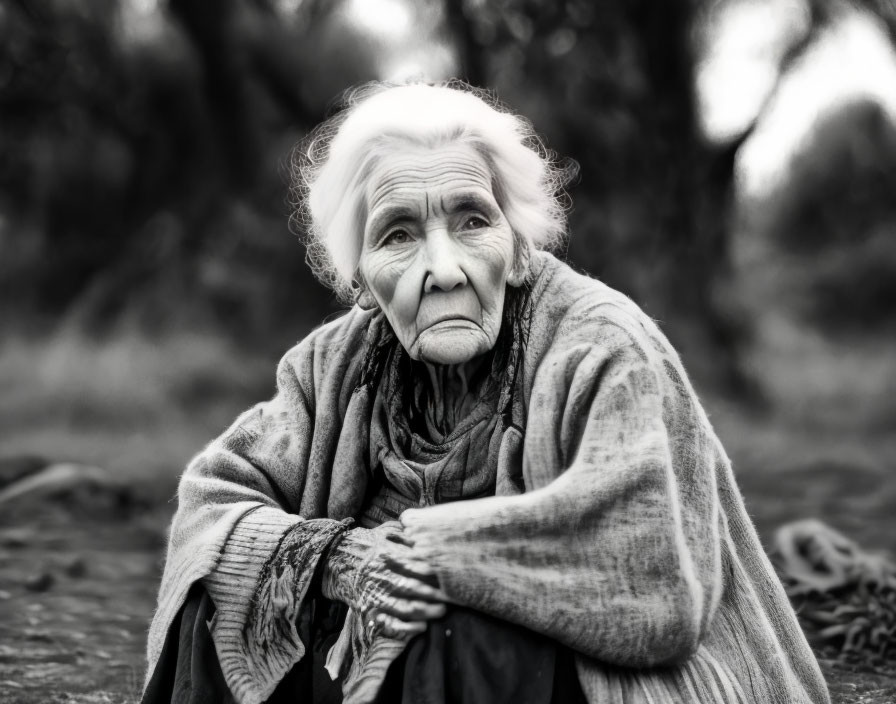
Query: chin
[[454, 345]]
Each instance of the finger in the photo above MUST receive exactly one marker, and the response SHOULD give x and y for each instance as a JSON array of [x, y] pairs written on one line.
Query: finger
[[410, 567], [411, 610], [388, 584], [401, 539], [396, 628], [412, 588]]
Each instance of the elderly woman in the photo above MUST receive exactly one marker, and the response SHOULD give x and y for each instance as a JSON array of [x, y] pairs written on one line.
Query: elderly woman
[[489, 481]]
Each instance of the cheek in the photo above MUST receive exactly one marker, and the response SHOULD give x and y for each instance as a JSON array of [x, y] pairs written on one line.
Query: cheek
[[391, 280], [499, 267], [382, 278], [493, 259], [382, 269], [406, 294]]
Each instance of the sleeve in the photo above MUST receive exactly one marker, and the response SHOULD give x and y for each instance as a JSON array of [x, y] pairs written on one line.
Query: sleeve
[[615, 551], [239, 498]]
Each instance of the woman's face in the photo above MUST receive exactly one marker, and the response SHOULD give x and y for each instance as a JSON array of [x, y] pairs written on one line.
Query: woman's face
[[437, 251]]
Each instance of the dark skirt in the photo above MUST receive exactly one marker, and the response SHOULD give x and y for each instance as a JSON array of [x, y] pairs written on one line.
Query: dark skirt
[[464, 658]]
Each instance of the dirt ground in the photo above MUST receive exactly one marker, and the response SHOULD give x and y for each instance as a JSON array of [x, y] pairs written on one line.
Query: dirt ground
[[76, 593], [79, 580]]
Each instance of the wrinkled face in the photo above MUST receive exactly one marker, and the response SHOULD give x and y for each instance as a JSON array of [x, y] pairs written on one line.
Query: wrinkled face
[[437, 251]]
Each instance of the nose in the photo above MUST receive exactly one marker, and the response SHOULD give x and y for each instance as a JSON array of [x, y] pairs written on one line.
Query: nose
[[443, 262]]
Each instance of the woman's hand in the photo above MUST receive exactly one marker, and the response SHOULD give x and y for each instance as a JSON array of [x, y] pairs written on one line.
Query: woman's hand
[[375, 573]]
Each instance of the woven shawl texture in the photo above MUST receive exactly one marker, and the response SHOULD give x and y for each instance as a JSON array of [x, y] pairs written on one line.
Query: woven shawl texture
[[617, 527]]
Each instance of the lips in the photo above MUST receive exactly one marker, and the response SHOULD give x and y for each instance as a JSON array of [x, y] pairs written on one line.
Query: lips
[[459, 304]]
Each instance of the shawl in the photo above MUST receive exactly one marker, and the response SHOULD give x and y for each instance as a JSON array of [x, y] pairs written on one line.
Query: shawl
[[616, 526]]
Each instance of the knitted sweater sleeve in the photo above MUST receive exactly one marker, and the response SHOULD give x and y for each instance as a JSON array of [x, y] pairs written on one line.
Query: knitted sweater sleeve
[[241, 494], [615, 550]]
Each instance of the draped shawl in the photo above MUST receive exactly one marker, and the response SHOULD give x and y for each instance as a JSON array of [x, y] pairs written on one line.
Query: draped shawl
[[617, 527]]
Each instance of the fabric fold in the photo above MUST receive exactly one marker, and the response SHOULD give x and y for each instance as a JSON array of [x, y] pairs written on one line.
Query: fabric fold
[[258, 589]]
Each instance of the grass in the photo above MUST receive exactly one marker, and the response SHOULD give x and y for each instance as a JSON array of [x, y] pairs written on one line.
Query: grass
[[825, 445], [845, 381], [138, 406]]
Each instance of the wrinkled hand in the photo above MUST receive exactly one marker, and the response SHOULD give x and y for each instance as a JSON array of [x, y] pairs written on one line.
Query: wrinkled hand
[[375, 573]]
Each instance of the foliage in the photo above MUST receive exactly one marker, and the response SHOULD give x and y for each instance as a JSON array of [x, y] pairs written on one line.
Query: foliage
[[835, 222], [138, 166]]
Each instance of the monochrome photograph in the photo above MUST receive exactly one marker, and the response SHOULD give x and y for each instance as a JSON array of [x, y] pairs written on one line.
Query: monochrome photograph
[[448, 352]]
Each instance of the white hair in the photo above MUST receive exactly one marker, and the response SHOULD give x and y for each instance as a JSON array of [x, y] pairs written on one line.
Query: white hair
[[331, 167]]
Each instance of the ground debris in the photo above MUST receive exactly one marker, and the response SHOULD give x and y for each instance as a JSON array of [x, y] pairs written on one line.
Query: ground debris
[[845, 597], [40, 582], [76, 567]]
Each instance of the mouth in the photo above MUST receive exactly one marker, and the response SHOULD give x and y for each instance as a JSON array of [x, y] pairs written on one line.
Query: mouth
[[449, 318], [444, 309]]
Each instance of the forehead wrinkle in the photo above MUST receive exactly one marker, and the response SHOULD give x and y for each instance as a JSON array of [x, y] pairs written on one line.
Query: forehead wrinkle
[[423, 178], [410, 181], [449, 197], [429, 164], [434, 176]]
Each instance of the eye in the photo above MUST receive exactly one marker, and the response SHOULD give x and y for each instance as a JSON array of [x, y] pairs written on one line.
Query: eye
[[398, 236], [474, 222]]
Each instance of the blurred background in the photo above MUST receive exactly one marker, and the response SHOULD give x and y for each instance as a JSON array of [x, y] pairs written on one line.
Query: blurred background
[[738, 171]]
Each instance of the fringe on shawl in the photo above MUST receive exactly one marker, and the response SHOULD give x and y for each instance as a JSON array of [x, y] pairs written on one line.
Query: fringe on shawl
[[284, 582], [703, 679], [277, 604]]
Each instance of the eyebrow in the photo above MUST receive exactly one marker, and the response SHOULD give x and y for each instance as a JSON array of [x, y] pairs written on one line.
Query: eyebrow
[[383, 217], [468, 201]]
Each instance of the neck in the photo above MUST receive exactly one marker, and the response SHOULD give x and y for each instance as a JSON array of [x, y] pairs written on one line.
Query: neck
[[453, 390]]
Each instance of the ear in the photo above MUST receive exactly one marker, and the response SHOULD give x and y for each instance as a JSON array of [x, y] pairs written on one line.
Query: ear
[[365, 300], [363, 297], [519, 272]]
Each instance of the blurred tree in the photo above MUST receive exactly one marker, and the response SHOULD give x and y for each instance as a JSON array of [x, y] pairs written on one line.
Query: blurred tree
[[827, 224], [61, 146], [119, 151], [839, 220]]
